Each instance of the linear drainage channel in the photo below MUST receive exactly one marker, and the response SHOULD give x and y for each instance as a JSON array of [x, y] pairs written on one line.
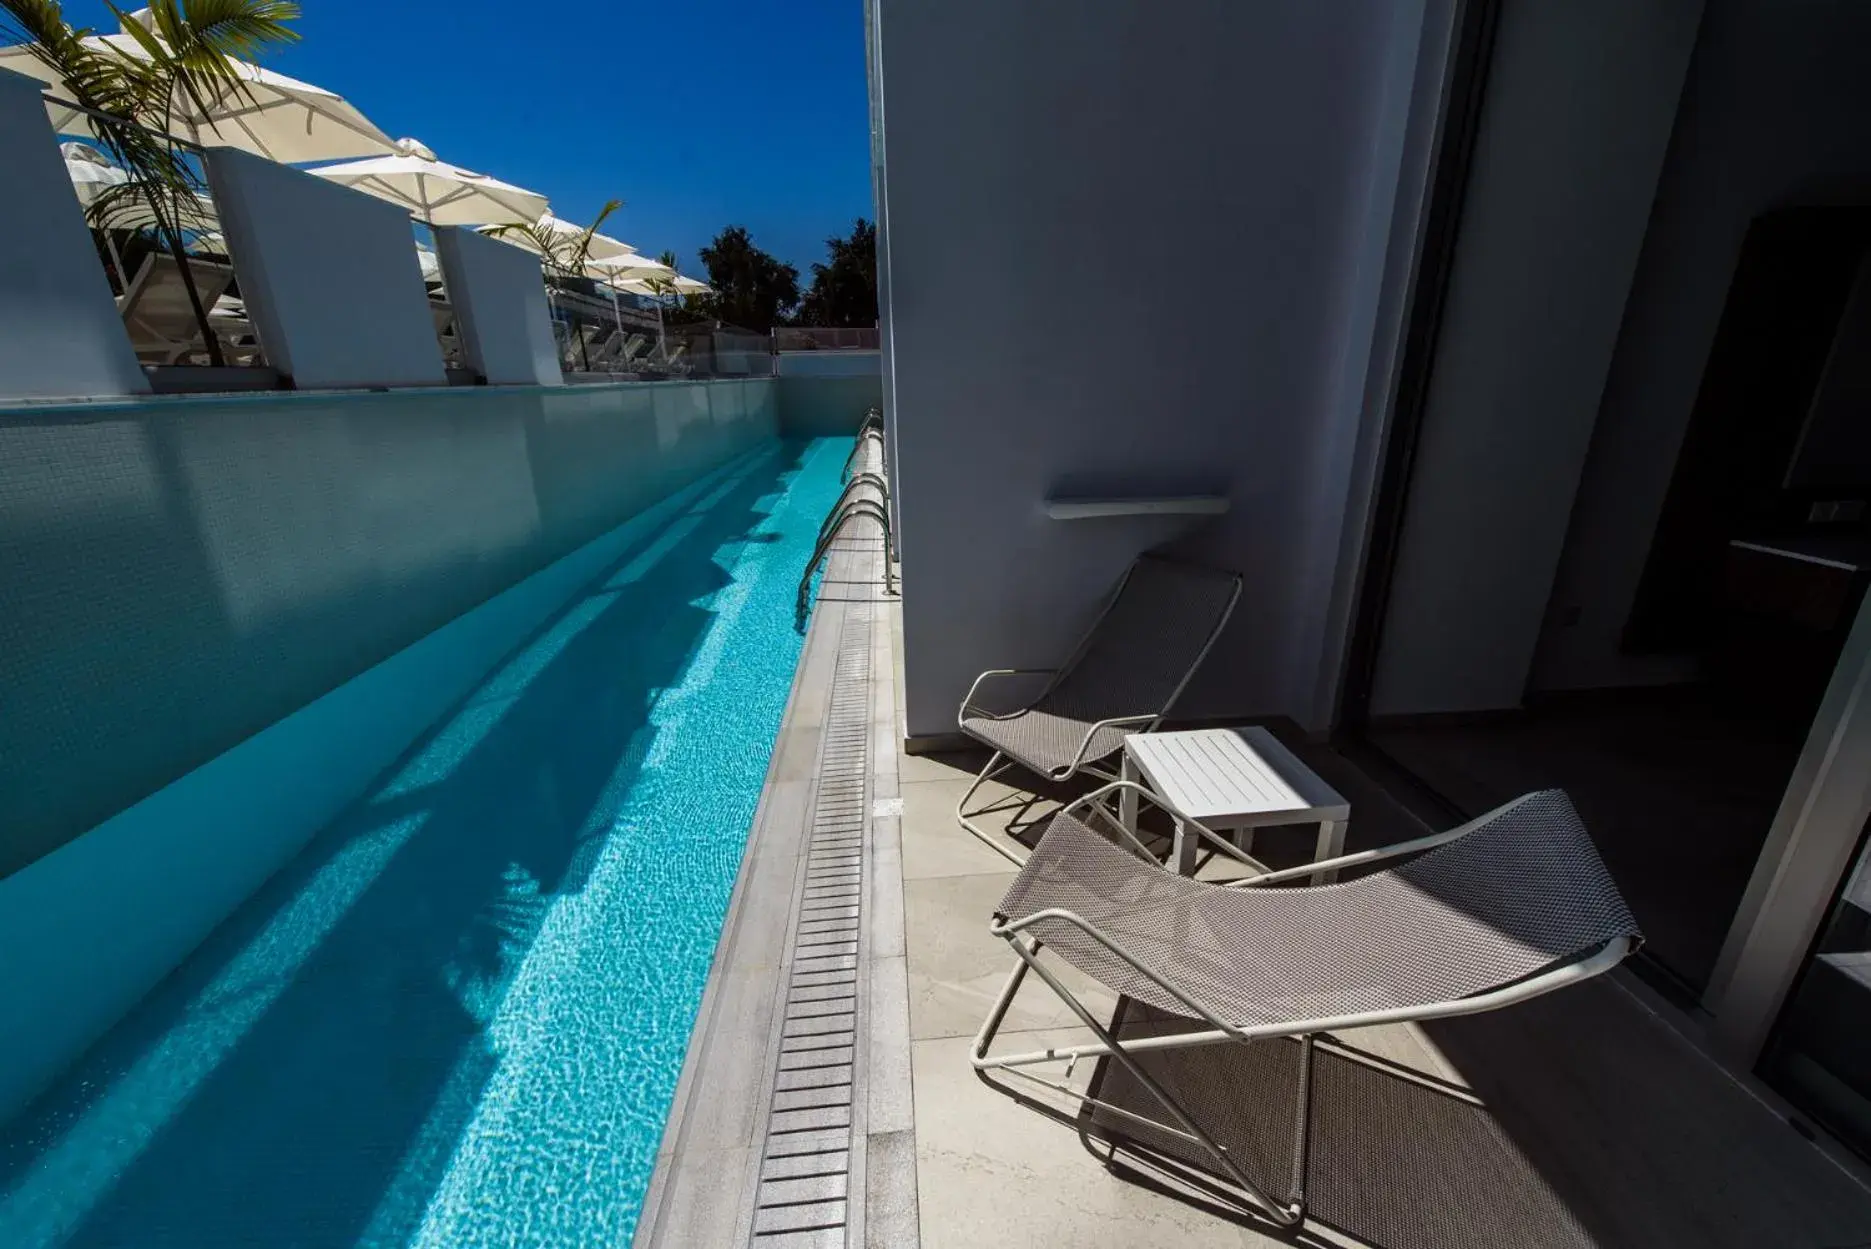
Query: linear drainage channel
[[810, 1173], [793, 1125]]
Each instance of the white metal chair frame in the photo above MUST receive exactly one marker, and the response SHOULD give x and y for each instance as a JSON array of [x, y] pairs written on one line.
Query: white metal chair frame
[[999, 763], [605, 350], [148, 332], [1221, 1031]]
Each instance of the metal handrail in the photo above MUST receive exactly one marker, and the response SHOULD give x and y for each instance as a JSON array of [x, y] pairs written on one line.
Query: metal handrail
[[852, 504], [855, 510], [847, 496]]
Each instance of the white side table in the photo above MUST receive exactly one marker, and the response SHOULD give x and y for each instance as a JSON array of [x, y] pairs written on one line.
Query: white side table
[[1233, 779]]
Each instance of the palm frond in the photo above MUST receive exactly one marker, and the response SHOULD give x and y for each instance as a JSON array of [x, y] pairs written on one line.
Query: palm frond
[[610, 206], [554, 249], [242, 29], [40, 23], [194, 53], [580, 253], [86, 76]]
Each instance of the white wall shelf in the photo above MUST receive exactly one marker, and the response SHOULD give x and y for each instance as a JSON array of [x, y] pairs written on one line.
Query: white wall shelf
[[1098, 509]]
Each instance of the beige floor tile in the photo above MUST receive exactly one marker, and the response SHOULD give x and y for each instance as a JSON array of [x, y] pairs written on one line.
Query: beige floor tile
[[957, 967], [1406, 1046], [935, 843], [948, 766], [991, 1172]]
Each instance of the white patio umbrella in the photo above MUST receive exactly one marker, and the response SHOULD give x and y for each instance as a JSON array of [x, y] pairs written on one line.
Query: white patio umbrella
[[92, 174], [631, 266], [678, 285], [628, 266], [624, 279], [602, 247], [436, 191], [90, 171], [193, 213], [275, 116]]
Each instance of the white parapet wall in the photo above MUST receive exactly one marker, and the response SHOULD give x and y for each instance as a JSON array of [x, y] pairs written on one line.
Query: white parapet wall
[[329, 276], [60, 335], [499, 300], [831, 363], [344, 569]]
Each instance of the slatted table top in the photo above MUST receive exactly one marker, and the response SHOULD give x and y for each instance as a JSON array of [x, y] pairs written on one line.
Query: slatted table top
[[1233, 778]]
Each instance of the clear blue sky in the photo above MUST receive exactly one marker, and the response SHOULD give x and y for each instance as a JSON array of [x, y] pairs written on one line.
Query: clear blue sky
[[697, 113]]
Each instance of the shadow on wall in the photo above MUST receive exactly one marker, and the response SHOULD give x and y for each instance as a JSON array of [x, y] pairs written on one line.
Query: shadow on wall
[[308, 1075], [180, 576], [827, 407]]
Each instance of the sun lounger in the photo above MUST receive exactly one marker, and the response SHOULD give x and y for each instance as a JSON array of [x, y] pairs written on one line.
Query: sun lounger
[[156, 310], [1124, 677], [1502, 909]]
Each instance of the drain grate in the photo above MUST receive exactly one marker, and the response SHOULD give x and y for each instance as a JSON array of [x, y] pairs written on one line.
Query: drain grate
[[804, 1197]]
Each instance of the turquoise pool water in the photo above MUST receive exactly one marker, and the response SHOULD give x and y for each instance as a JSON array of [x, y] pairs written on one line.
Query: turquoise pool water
[[458, 1017]]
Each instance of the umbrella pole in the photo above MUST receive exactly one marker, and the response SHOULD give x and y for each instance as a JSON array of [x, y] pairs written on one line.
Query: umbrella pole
[[662, 344]]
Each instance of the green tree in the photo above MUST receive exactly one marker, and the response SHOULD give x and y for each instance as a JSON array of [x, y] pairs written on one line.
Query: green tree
[[844, 292], [185, 55], [752, 289]]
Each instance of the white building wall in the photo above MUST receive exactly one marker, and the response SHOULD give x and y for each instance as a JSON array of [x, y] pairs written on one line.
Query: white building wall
[[829, 363], [1126, 254], [60, 335]]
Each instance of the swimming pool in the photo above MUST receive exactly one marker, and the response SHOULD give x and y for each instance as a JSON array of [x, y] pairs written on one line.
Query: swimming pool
[[458, 1017]]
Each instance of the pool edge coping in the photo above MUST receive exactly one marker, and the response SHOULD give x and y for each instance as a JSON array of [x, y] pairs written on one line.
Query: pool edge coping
[[723, 1096]]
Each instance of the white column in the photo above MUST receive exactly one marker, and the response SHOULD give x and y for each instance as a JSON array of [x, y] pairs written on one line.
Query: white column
[[60, 335], [328, 274], [499, 299]]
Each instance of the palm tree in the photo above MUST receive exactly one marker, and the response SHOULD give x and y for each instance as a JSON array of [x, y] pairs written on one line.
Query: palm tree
[[663, 288], [565, 254], [186, 51]]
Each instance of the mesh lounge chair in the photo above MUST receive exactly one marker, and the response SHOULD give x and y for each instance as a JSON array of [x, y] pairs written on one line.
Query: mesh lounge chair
[[634, 352], [1123, 678], [605, 349], [156, 309], [447, 333], [1504, 908]]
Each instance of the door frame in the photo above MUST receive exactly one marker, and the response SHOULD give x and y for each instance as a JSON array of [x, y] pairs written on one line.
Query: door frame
[[1811, 846], [1472, 55], [1823, 811]]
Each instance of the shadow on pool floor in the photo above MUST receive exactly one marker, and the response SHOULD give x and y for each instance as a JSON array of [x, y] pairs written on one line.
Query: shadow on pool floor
[[305, 1077]]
